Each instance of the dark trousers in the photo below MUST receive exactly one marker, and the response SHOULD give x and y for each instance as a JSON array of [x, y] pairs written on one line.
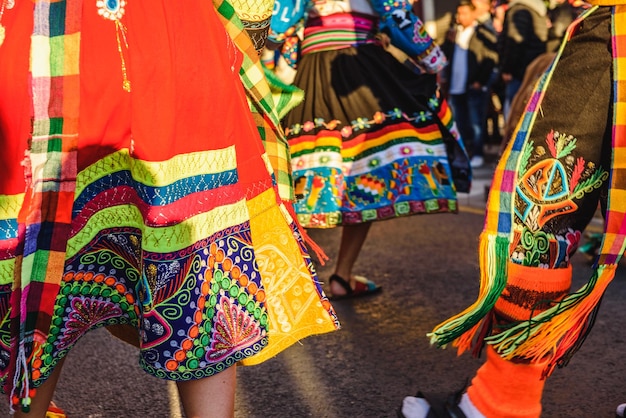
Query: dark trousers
[[470, 113]]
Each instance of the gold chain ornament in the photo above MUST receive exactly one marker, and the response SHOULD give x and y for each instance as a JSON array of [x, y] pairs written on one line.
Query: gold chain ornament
[[114, 10]]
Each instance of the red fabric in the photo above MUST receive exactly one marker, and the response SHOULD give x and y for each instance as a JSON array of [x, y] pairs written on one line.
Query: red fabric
[[182, 99], [15, 106]]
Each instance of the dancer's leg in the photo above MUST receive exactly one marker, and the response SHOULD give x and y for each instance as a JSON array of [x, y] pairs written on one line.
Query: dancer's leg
[[43, 397], [210, 397], [352, 239], [538, 275]]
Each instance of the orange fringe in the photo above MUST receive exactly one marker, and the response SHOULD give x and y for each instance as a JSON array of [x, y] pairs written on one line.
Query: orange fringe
[[553, 333]]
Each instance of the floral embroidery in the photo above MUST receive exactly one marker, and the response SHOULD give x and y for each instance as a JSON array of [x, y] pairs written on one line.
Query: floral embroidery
[[406, 150], [434, 103], [308, 126], [362, 123]]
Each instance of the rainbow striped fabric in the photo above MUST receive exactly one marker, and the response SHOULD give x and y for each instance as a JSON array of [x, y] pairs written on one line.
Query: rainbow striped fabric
[[340, 30], [388, 165]]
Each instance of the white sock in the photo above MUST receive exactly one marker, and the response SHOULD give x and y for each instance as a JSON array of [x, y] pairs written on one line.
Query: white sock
[[468, 408], [620, 409], [413, 407]]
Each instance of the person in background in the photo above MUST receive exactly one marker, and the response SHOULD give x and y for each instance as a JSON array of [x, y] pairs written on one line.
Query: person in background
[[554, 172], [524, 37], [498, 11], [374, 139], [137, 193], [495, 113], [561, 14], [533, 73], [569, 11], [471, 49], [483, 11]]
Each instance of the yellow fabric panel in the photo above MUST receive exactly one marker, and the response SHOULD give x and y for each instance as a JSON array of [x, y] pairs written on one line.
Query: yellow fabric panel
[[294, 306], [10, 205]]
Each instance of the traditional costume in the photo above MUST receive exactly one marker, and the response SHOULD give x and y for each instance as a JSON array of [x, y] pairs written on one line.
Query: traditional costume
[[566, 155], [372, 139], [136, 190]]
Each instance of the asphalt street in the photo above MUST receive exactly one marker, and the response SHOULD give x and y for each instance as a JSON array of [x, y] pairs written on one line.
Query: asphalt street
[[428, 268]]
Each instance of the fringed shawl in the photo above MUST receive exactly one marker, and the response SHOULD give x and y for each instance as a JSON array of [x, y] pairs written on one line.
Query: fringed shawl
[[558, 332], [264, 105]]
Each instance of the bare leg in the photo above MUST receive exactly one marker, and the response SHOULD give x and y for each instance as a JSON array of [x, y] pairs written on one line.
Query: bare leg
[[352, 239], [211, 397], [41, 400]]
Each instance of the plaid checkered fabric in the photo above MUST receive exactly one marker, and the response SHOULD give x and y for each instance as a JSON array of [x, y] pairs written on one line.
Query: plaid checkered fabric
[[613, 244], [262, 103], [45, 217], [559, 331]]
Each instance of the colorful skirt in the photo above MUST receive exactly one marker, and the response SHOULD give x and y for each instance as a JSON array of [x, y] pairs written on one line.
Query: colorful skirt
[[369, 141], [157, 209]]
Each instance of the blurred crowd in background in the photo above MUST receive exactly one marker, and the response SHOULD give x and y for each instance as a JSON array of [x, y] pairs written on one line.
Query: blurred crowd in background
[[492, 46]]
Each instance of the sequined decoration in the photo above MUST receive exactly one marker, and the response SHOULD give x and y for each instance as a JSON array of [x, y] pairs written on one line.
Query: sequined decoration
[[114, 10], [8, 4]]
